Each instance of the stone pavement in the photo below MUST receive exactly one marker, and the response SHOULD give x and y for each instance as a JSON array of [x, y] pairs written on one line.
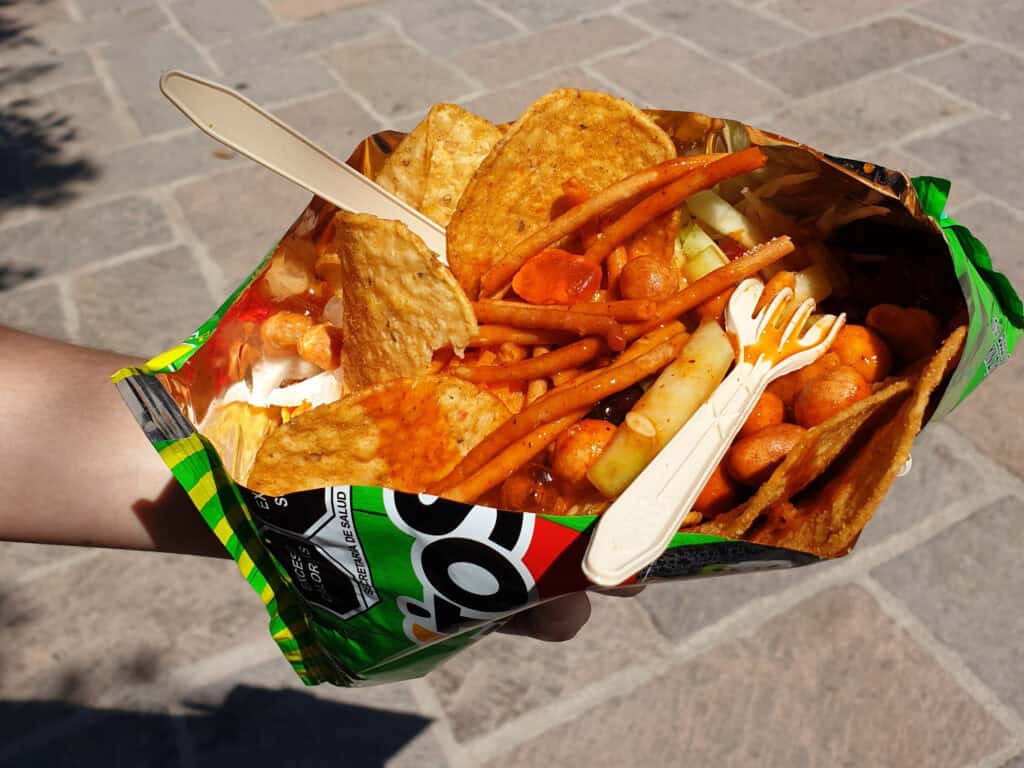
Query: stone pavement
[[908, 652]]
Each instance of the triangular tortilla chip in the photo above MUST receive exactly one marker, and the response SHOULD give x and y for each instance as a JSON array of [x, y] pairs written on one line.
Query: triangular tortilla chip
[[400, 302], [403, 434]]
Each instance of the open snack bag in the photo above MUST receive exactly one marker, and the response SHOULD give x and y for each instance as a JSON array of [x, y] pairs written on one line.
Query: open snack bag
[[400, 454]]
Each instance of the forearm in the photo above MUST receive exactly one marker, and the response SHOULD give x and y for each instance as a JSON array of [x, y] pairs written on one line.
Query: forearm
[[74, 466]]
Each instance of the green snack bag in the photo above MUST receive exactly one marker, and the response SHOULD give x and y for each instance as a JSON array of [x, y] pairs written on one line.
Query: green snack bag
[[367, 585]]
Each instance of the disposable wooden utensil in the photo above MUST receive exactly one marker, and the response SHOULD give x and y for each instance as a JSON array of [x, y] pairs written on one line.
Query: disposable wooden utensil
[[238, 123], [638, 527]]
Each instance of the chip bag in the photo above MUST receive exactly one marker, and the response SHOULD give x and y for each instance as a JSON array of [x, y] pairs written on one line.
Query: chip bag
[[370, 583]]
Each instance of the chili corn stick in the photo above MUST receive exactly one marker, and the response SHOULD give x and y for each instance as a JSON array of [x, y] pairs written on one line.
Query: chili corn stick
[[560, 402], [537, 387], [668, 197], [628, 310], [495, 335], [644, 344], [550, 318], [713, 283], [497, 278], [570, 356], [650, 340], [616, 262], [561, 378], [502, 466]]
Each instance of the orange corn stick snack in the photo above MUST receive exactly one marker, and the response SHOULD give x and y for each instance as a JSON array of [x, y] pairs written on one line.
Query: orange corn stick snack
[[495, 335], [497, 278], [502, 466], [550, 318], [570, 356], [671, 196], [560, 402]]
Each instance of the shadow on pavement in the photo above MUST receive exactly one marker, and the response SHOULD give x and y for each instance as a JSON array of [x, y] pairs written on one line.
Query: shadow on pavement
[[36, 169], [254, 727]]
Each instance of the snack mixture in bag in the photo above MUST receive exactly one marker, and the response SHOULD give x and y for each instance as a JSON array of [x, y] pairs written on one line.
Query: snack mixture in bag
[[400, 453]]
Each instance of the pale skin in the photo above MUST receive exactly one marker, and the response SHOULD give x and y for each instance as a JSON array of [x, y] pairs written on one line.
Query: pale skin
[[75, 469]]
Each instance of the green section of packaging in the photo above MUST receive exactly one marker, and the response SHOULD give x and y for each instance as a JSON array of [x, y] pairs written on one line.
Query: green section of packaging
[[995, 310]]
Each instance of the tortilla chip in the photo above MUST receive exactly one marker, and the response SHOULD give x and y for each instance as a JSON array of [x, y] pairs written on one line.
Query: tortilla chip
[[400, 302], [404, 434], [828, 522], [237, 430], [433, 164], [594, 138]]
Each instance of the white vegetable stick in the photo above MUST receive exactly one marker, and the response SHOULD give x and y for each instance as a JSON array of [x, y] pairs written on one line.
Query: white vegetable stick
[[719, 216], [678, 392]]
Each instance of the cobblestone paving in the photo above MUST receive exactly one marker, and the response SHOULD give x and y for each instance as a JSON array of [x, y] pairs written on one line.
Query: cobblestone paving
[[908, 652]]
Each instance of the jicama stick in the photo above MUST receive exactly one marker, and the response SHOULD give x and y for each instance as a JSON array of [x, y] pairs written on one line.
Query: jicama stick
[[680, 389], [673, 195], [502, 466], [560, 402], [499, 275], [495, 335], [712, 284], [550, 318], [537, 387], [570, 356]]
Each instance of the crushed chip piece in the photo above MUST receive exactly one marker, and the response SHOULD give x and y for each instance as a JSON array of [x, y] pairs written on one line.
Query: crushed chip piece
[[401, 303], [830, 520], [404, 434], [237, 430], [591, 137], [812, 456]]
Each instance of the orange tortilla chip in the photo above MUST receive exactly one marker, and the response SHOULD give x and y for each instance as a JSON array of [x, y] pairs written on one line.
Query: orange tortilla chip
[[433, 164], [404, 434], [400, 302], [591, 137]]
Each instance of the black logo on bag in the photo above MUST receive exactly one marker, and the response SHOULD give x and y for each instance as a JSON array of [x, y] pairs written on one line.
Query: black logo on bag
[[313, 535], [469, 560]]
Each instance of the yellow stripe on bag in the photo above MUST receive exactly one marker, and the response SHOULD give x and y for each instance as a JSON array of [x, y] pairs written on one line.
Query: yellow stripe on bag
[[166, 359], [222, 530], [245, 564], [180, 450], [203, 491]]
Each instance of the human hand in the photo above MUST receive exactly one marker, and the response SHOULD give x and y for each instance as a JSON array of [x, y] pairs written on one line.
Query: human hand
[[555, 621], [560, 619]]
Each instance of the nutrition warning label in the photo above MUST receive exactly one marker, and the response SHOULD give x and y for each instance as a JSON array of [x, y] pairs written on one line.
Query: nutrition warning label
[[313, 535]]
